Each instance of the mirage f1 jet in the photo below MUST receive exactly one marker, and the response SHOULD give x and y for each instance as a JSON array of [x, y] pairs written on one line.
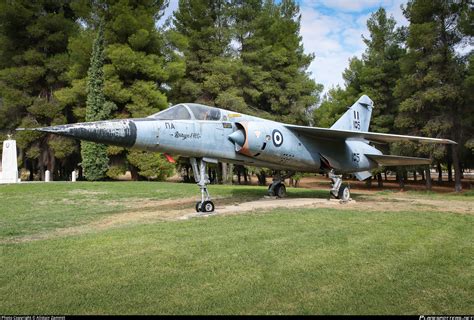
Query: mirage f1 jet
[[209, 135]]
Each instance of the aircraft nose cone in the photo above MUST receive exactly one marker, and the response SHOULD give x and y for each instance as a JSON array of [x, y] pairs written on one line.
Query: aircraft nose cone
[[237, 137], [115, 132]]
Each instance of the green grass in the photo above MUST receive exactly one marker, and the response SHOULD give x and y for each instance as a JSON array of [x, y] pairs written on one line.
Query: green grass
[[38, 207], [466, 195], [306, 261]]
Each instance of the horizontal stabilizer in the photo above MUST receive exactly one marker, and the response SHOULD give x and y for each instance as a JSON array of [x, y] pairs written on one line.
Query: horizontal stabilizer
[[335, 134], [387, 160]]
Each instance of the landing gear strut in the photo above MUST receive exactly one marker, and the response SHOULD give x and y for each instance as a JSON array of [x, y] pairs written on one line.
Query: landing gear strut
[[202, 179], [339, 190], [277, 187]]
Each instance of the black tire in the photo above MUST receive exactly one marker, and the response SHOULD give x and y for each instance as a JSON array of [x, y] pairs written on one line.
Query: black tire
[[207, 206], [198, 206], [344, 193], [280, 190]]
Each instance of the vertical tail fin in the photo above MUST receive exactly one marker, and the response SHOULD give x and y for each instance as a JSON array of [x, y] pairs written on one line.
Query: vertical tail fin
[[357, 118]]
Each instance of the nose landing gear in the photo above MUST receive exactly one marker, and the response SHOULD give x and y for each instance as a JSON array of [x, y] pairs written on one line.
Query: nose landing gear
[[202, 179]]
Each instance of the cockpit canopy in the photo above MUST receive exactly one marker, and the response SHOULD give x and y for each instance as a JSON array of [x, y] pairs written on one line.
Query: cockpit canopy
[[188, 111]]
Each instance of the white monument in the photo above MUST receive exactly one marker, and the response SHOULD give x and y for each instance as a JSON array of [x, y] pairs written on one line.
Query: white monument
[[9, 172]]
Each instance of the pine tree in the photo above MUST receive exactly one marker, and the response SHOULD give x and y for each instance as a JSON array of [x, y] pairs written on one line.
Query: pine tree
[[139, 68], [94, 155], [274, 77], [431, 89], [33, 66], [382, 69], [204, 40]]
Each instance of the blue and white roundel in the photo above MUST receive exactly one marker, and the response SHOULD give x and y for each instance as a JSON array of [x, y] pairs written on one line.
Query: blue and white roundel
[[277, 138]]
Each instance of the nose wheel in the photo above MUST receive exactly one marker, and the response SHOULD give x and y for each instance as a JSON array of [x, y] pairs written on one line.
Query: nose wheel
[[200, 175], [206, 206]]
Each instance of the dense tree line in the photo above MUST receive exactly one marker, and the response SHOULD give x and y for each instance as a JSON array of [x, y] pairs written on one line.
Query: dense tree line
[[236, 54], [243, 55], [420, 82]]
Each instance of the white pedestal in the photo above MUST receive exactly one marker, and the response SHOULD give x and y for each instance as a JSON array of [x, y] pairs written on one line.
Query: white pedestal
[[9, 172]]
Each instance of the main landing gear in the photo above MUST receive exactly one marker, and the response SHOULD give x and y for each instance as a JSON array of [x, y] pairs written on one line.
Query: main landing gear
[[339, 190], [277, 187], [202, 179]]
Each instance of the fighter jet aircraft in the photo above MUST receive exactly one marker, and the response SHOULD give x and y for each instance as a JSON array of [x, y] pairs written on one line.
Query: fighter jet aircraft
[[209, 135]]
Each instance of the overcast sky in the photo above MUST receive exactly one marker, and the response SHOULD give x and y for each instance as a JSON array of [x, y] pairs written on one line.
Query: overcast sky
[[332, 30]]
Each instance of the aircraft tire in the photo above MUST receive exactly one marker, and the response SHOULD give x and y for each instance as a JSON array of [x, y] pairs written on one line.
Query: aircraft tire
[[280, 190], [198, 206], [344, 193], [207, 206]]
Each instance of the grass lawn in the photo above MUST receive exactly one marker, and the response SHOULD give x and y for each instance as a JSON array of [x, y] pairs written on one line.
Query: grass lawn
[[304, 261]]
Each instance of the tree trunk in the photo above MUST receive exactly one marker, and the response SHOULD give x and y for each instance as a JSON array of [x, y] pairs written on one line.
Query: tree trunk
[[262, 178], [440, 172], [457, 168], [401, 180], [385, 174], [227, 173], [230, 171], [422, 172], [379, 181], [134, 173], [368, 182], [80, 175], [450, 164], [31, 167], [224, 172], [428, 178], [414, 175]]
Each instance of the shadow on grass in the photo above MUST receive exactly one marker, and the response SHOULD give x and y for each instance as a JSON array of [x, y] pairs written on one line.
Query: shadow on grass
[[253, 192]]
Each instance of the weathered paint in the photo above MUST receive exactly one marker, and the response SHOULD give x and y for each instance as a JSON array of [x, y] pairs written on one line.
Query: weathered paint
[[114, 132]]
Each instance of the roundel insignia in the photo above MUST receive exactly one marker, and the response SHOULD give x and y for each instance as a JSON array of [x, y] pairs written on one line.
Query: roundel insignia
[[277, 138]]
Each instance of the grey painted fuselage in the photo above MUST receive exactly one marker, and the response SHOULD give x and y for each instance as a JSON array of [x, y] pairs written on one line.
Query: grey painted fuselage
[[198, 131], [210, 139]]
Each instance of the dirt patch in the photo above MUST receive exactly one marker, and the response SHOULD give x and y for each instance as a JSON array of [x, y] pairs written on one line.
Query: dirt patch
[[152, 211], [267, 204]]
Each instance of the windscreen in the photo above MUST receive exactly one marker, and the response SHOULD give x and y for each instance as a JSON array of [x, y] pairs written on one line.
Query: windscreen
[[202, 112], [179, 112]]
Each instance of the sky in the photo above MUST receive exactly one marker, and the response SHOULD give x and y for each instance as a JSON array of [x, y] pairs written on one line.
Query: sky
[[332, 30]]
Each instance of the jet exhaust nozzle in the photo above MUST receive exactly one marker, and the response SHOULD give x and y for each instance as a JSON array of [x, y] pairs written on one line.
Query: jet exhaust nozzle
[[114, 132]]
